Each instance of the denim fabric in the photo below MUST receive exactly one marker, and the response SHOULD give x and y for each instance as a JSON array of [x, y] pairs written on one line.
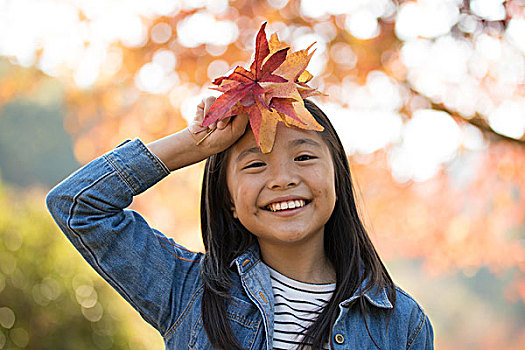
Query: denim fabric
[[161, 279]]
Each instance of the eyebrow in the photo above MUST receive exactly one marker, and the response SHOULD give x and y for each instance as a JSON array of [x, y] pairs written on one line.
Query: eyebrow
[[246, 152], [299, 142]]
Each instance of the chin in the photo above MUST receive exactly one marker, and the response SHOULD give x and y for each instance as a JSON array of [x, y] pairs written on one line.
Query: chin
[[290, 238]]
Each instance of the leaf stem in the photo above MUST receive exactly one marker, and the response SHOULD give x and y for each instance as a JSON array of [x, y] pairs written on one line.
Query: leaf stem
[[205, 136]]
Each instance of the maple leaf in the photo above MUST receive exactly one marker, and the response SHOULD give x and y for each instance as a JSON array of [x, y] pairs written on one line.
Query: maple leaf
[[244, 84], [271, 91]]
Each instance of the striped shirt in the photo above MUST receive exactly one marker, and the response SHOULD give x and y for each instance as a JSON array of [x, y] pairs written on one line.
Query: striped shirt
[[297, 304]]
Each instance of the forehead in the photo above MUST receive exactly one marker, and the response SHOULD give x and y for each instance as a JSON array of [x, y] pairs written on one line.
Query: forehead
[[285, 137]]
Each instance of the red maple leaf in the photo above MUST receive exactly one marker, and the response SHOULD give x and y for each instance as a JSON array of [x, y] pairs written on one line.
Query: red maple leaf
[[244, 84], [266, 97]]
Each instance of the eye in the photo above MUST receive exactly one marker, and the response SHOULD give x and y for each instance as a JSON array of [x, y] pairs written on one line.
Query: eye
[[254, 165], [304, 157]]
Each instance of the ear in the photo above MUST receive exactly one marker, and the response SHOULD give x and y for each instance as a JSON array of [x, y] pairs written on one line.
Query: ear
[[234, 212]]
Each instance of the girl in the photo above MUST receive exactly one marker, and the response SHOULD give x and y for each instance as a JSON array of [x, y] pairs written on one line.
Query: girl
[[288, 263]]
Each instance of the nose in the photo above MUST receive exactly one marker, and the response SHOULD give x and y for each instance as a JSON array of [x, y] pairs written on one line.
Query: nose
[[283, 175]]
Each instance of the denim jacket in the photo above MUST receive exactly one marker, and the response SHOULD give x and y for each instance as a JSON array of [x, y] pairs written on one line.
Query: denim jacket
[[161, 279]]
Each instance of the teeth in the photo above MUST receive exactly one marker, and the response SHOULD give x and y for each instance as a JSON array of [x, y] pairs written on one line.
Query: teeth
[[298, 203]]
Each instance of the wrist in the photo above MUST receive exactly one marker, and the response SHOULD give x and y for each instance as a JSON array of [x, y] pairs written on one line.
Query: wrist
[[178, 150]]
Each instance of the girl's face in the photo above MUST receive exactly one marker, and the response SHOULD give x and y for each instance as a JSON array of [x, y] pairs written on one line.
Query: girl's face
[[298, 175]]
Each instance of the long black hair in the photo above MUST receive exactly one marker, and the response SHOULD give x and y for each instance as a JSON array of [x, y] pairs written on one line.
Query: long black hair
[[346, 245]]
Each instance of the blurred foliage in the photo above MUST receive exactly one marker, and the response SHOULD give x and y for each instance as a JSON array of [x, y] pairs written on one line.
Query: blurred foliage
[[469, 310], [49, 297], [30, 153]]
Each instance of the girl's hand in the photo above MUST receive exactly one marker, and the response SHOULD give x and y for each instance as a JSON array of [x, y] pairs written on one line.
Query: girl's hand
[[180, 149], [222, 134]]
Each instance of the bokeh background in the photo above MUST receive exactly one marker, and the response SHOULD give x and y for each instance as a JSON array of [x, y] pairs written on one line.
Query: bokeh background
[[428, 97]]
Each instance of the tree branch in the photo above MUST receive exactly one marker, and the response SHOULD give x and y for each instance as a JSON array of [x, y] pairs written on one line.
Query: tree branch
[[477, 121], [481, 123]]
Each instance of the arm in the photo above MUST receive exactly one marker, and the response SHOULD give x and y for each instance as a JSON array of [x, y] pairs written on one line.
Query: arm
[[136, 260], [145, 267]]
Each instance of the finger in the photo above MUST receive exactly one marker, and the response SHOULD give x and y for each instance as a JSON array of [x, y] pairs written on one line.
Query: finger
[[208, 101], [239, 124], [221, 124], [199, 113]]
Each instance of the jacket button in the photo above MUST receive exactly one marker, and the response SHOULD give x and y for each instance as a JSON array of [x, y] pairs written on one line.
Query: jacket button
[[339, 339]]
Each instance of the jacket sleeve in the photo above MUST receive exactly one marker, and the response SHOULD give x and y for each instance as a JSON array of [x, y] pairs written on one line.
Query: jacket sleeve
[[154, 274], [422, 338]]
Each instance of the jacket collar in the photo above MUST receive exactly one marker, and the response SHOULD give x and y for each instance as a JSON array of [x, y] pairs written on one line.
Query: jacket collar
[[252, 256], [248, 259]]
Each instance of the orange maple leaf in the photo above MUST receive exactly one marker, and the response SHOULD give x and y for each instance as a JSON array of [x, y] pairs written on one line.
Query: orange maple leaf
[[271, 91]]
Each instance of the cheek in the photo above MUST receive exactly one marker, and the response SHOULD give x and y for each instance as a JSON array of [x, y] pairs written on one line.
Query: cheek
[[244, 198], [324, 181], [326, 190], [327, 196]]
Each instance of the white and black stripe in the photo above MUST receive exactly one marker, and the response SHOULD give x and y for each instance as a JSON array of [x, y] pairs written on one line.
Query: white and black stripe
[[297, 305]]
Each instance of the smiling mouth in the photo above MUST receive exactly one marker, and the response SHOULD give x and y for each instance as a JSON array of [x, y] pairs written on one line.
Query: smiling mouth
[[286, 205]]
